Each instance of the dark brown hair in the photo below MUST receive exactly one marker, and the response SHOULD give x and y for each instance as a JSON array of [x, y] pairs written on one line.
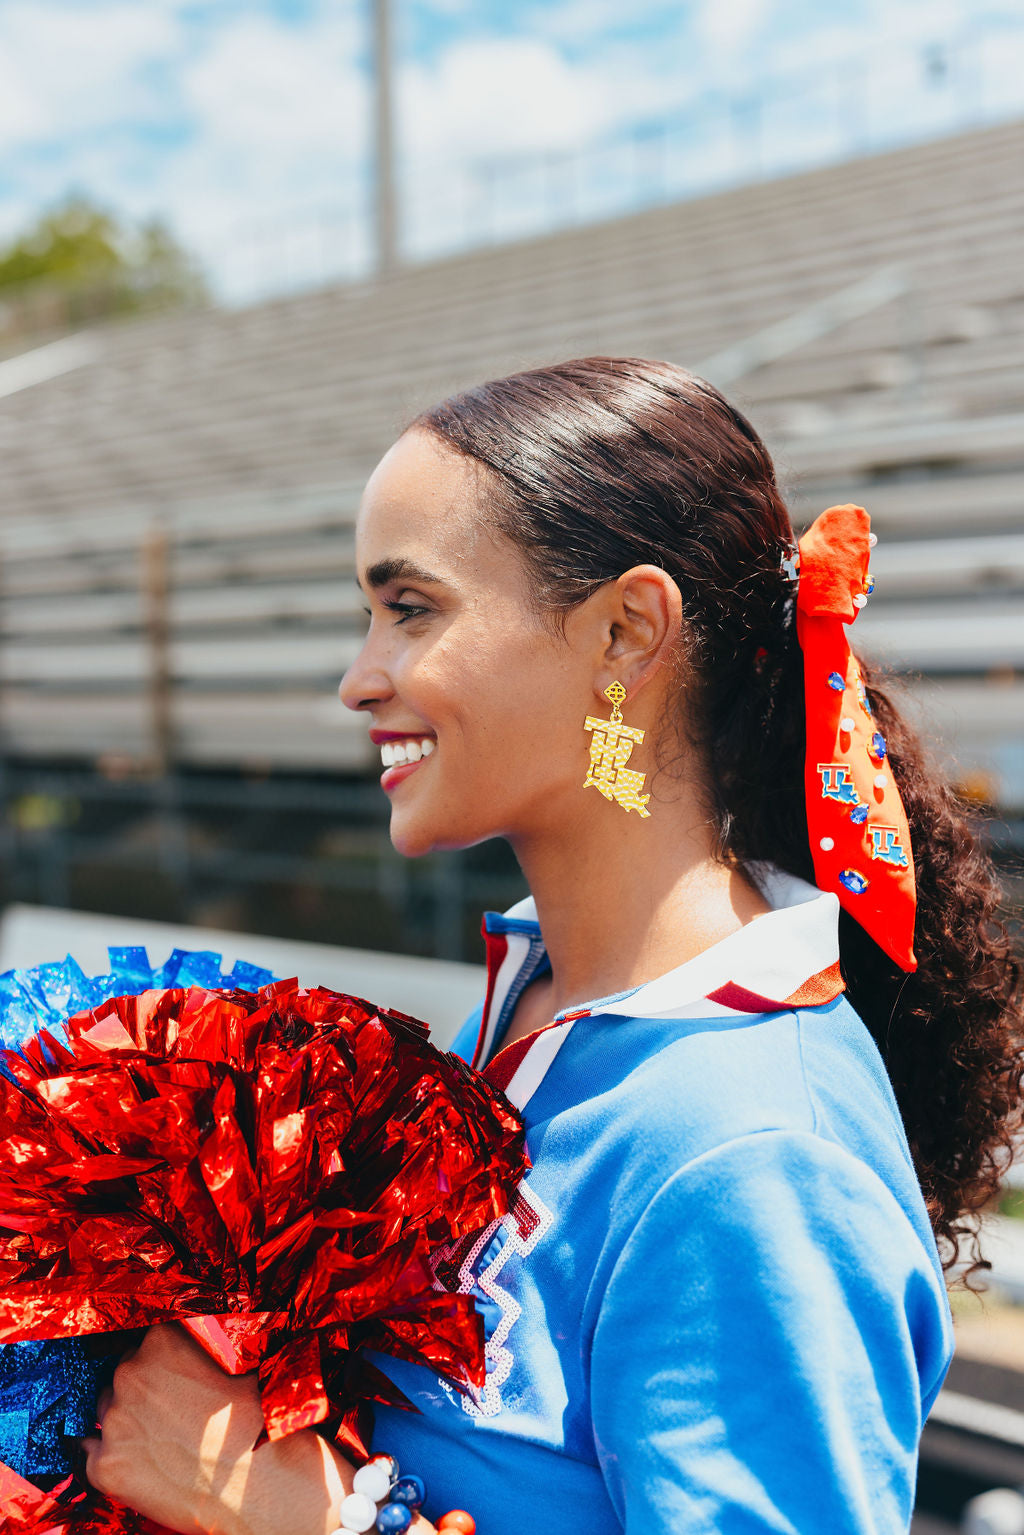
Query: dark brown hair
[[602, 463]]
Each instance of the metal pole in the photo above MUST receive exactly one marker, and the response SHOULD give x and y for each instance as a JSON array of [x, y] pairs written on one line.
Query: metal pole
[[156, 607], [386, 213]]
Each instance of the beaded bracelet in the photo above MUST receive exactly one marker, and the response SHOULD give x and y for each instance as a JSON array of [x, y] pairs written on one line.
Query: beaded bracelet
[[400, 1497]]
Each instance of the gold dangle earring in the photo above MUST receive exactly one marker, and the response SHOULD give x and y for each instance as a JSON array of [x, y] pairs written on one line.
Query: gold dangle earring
[[610, 745]]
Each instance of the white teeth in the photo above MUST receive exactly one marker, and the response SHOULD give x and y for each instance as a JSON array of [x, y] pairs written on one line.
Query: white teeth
[[394, 753]]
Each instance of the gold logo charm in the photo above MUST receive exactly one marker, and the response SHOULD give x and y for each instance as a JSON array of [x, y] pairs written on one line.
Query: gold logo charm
[[610, 745]]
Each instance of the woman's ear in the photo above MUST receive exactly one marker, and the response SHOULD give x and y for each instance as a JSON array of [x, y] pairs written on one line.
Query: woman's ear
[[645, 620]]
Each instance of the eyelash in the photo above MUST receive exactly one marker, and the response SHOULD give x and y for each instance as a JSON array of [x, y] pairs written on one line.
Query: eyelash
[[407, 609]]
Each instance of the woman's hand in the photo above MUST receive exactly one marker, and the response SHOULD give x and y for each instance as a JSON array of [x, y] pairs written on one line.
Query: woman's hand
[[177, 1445]]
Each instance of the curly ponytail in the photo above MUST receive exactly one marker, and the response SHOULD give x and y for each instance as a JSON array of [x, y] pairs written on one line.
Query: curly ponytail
[[602, 463]]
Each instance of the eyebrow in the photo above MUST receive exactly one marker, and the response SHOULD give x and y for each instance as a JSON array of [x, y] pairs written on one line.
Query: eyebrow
[[397, 569]]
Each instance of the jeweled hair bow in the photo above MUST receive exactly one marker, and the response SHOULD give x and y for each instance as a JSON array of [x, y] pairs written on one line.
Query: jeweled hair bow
[[860, 840]]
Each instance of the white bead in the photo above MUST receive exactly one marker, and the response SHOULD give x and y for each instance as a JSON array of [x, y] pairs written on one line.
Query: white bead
[[358, 1512], [826, 844], [389, 1463], [846, 723], [372, 1480], [880, 780], [872, 540], [860, 601]]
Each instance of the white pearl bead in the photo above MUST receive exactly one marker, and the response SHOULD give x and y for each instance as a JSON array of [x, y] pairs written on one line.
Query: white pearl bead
[[372, 1480], [860, 601], [880, 780], [358, 1512], [846, 723], [389, 1463], [872, 540], [826, 844]]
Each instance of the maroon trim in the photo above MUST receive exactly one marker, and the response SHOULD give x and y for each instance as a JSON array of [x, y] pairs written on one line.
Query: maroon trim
[[817, 989], [497, 948], [500, 1071]]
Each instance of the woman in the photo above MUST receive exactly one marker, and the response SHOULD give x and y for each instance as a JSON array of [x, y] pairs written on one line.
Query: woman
[[718, 1305]]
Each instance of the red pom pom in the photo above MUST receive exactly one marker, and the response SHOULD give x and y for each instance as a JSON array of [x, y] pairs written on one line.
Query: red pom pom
[[272, 1169]]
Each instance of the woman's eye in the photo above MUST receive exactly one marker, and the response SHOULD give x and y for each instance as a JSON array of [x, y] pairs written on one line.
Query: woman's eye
[[406, 609]]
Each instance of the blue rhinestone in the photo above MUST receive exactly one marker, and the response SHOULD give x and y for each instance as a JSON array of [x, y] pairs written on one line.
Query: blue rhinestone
[[393, 1518], [854, 882], [859, 814], [409, 1490], [878, 746], [836, 682], [869, 585]]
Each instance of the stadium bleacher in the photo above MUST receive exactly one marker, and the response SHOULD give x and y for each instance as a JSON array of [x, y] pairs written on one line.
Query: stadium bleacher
[[238, 442]]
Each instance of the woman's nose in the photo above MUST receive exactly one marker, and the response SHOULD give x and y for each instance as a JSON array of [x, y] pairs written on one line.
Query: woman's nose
[[364, 684]]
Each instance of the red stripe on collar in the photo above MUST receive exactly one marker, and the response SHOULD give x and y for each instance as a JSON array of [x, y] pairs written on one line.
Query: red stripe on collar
[[497, 948], [816, 990], [500, 1070]]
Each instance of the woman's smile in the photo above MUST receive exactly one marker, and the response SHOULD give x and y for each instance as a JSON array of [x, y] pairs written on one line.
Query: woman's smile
[[401, 752], [400, 758]]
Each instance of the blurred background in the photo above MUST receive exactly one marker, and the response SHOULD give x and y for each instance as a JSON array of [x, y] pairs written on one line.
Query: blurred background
[[242, 241]]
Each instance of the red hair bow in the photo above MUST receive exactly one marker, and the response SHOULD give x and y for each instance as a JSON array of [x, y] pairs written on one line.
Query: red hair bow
[[860, 840]]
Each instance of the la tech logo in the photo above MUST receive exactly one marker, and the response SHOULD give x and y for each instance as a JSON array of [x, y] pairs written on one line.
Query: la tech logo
[[885, 845], [837, 783]]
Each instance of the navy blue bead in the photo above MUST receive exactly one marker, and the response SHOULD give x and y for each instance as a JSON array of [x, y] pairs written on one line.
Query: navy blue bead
[[854, 882], [836, 681], [410, 1490], [878, 746], [393, 1518], [859, 814]]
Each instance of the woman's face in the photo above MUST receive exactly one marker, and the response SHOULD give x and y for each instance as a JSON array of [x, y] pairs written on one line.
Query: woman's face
[[458, 666]]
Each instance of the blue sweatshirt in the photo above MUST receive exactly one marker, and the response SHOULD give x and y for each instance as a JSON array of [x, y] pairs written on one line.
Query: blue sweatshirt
[[717, 1306]]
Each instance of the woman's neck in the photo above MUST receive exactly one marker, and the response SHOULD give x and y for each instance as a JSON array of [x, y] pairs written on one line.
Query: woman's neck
[[619, 904]]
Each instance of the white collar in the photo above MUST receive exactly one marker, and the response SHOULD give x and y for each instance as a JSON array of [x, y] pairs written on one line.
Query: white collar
[[789, 957]]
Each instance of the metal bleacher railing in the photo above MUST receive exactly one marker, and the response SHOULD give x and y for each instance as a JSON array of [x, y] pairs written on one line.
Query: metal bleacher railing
[[889, 93]]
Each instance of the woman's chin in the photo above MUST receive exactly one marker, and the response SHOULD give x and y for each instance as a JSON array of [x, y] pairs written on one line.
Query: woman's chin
[[417, 832], [412, 834]]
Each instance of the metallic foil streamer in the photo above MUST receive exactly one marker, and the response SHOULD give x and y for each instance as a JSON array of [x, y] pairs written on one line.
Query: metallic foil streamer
[[270, 1168], [48, 1388]]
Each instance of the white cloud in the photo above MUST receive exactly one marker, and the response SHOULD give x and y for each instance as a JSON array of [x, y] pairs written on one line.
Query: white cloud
[[70, 68], [728, 26], [491, 95], [279, 131], [261, 86]]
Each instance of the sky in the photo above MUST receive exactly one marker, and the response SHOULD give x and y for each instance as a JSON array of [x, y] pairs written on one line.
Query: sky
[[245, 123]]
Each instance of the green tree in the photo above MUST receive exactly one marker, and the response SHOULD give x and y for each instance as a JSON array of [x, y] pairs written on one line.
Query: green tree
[[79, 261]]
